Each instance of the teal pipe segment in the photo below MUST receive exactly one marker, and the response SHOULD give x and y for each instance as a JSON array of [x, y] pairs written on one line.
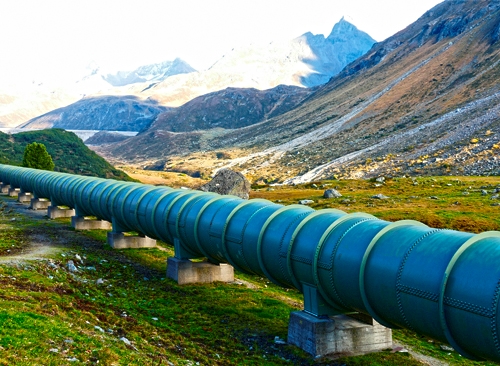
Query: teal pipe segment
[[440, 283]]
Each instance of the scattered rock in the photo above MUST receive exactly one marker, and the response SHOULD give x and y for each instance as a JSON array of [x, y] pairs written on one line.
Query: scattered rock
[[306, 202], [446, 348], [227, 181], [331, 193], [380, 196], [278, 340], [71, 266]]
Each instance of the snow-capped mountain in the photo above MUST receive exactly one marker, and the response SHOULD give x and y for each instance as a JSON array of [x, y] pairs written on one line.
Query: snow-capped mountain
[[149, 73]]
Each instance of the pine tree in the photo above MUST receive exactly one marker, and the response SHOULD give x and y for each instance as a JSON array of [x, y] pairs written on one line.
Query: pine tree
[[37, 157]]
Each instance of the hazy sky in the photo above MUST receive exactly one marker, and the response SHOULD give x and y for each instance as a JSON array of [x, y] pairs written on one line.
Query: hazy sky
[[52, 38]]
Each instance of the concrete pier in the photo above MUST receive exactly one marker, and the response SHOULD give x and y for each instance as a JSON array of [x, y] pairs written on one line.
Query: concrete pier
[[185, 272], [81, 223], [24, 197], [39, 204], [338, 335], [4, 188], [120, 241], [55, 212], [13, 192]]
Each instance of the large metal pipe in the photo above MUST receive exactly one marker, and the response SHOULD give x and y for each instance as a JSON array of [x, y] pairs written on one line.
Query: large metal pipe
[[441, 283]]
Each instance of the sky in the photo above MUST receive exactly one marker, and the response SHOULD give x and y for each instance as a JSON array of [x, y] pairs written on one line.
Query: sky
[[56, 38]]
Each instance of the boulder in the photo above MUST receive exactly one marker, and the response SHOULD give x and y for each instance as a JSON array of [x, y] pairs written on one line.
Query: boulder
[[227, 181], [380, 196], [331, 193]]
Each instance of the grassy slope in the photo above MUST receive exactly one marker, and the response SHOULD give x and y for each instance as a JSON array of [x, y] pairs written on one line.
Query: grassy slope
[[68, 152], [50, 316]]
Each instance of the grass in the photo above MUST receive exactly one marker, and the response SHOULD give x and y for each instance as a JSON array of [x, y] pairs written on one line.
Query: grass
[[119, 309], [443, 202]]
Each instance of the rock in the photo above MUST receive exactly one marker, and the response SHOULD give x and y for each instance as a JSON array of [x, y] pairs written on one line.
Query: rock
[[446, 348], [433, 197], [331, 193], [465, 193], [380, 196], [306, 202], [71, 266], [314, 185], [495, 197], [99, 328], [347, 200], [278, 340], [227, 181], [484, 192], [380, 179], [78, 258], [54, 350]]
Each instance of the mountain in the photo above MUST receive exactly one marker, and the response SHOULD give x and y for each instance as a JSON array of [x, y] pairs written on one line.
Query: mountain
[[424, 101], [23, 101], [230, 108], [149, 73], [110, 113], [306, 61], [69, 153]]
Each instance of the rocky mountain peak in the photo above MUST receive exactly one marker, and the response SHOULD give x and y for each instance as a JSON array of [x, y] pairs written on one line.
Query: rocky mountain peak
[[343, 31]]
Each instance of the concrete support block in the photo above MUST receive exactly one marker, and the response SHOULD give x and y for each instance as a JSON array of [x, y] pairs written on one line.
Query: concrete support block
[[184, 271], [13, 192], [338, 335], [4, 188], [54, 212], [24, 197], [80, 223], [39, 204], [120, 241]]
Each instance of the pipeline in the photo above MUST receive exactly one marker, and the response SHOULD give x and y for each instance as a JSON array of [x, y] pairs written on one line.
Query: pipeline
[[440, 283]]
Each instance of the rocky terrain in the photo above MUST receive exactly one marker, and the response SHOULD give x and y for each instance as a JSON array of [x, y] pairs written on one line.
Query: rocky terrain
[[425, 101]]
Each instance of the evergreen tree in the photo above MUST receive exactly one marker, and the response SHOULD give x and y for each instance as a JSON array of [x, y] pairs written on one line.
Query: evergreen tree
[[37, 157]]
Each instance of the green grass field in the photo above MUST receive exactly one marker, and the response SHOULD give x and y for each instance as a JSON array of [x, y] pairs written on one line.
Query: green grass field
[[119, 309]]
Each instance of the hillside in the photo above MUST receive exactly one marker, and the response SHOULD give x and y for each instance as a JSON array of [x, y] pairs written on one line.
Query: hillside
[[425, 101], [68, 152]]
